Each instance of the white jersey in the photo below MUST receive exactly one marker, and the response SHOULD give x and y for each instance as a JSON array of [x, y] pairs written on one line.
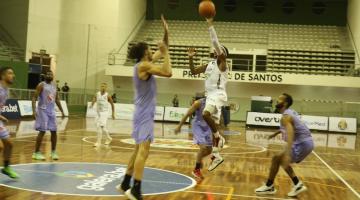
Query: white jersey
[[215, 80], [102, 103]]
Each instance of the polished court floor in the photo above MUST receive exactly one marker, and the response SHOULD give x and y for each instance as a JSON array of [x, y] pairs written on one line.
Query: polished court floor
[[332, 171]]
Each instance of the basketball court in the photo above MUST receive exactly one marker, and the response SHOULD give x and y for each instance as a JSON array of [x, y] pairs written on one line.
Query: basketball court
[[329, 173]]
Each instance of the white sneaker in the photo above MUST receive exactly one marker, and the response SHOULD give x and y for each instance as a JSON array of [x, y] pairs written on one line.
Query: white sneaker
[[297, 189], [264, 189], [108, 140], [97, 144], [215, 163]]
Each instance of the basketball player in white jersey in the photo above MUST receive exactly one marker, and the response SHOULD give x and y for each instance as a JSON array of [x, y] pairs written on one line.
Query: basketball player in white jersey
[[102, 100], [216, 76]]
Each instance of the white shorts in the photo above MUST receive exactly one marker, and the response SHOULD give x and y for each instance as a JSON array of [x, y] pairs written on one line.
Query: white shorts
[[101, 118], [214, 103]]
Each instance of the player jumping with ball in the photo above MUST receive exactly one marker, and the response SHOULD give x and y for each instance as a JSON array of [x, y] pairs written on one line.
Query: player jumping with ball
[[216, 77]]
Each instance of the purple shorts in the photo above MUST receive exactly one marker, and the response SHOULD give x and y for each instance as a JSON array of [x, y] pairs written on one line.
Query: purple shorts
[[202, 133], [4, 132], [301, 150], [143, 130], [45, 121]]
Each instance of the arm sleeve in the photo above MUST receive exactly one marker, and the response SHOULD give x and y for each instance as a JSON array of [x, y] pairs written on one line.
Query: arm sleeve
[[214, 40]]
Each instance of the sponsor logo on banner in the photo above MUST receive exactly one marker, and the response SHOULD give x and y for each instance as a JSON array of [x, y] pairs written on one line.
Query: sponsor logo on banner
[[11, 109], [263, 119], [315, 122], [342, 141], [341, 124], [159, 113], [174, 114]]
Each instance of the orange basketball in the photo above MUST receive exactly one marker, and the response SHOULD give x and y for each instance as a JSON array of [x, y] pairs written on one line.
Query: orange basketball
[[207, 9]]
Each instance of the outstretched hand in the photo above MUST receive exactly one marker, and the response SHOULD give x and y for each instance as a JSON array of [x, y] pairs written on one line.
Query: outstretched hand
[[191, 52]]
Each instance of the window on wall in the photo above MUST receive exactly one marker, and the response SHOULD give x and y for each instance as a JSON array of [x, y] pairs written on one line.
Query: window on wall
[[288, 7], [318, 7], [230, 5], [172, 4], [259, 6]]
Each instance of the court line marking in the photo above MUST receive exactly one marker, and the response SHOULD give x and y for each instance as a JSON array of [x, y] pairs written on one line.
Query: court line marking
[[337, 175], [240, 195], [230, 194], [263, 149], [193, 182]]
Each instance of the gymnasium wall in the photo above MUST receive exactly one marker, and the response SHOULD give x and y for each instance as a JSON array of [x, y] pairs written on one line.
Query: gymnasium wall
[[333, 14], [240, 94], [353, 16], [17, 11], [21, 73], [81, 33]]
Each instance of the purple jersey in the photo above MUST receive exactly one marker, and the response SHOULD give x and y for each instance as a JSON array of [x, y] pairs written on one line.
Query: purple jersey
[[199, 114], [47, 97], [4, 93], [145, 104], [201, 130], [301, 131]]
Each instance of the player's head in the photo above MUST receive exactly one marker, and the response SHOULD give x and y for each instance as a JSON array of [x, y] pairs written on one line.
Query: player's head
[[140, 51], [49, 76], [7, 75], [223, 49], [103, 87], [284, 101]]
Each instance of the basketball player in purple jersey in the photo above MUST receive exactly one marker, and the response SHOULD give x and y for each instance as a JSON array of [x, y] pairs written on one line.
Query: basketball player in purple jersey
[[299, 145], [145, 103], [6, 79], [201, 133], [216, 77], [45, 117]]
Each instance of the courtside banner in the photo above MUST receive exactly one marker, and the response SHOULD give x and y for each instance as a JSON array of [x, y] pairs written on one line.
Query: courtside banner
[[174, 114], [25, 107], [342, 124], [11, 109], [315, 122], [263, 119], [124, 111]]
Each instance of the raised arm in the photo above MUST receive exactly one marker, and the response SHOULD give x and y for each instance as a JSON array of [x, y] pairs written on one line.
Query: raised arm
[[38, 90], [110, 100], [196, 105], [219, 49], [163, 70], [158, 54], [195, 70]]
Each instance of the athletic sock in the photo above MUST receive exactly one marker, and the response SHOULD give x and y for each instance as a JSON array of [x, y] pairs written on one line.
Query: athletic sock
[[197, 166], [137, 186], [295, 180], [269, 182], [6, 163], [127, 179]]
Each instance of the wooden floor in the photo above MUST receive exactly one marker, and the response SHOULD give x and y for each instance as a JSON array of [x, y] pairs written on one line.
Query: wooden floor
[[329, 173]]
